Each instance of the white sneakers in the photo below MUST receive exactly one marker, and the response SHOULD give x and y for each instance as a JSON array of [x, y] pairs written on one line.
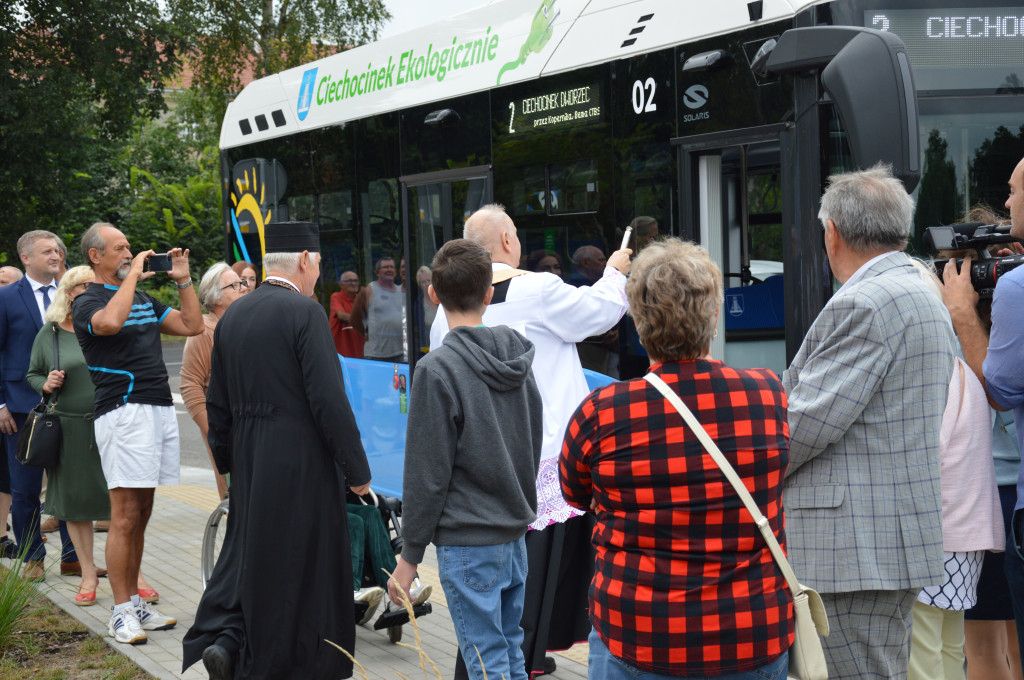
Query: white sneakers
[[124, 627], [372, 598], [419, 593], [151, 619], [128, 627]]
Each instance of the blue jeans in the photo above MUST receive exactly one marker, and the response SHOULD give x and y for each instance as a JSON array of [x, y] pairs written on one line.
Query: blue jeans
[[485, 586], [602, 665], [1013, 565], [26, 485]]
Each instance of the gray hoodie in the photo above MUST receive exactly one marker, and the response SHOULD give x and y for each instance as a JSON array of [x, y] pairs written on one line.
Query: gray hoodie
[[473, 442]]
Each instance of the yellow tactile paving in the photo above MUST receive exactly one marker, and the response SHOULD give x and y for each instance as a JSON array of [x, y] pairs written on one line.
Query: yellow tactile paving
[[207, 499], [577, 653], [196, 496]]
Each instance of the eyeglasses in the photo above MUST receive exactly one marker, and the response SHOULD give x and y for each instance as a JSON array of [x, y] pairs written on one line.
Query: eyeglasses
[[349, 281], [234, 285]]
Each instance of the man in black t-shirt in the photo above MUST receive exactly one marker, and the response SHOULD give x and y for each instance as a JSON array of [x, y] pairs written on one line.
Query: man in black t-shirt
[[136, 430]]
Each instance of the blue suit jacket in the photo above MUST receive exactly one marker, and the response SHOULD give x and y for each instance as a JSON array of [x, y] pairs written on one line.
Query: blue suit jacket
[[19, 324]]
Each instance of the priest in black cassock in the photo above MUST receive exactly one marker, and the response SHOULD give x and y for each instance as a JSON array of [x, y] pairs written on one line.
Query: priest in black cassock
[[281, 425]]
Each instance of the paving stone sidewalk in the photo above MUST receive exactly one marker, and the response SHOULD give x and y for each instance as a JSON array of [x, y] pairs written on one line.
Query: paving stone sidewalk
[[171, 564]]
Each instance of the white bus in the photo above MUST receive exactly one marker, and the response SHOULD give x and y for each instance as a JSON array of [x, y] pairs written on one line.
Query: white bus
[[721, 121]]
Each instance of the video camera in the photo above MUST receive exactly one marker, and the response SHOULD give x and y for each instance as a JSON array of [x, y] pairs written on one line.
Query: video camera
[[985, 268]]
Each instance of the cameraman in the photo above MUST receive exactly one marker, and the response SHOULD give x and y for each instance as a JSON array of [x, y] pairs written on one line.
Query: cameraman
[[998, 362]]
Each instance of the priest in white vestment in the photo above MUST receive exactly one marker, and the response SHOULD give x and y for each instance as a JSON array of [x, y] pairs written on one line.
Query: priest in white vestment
[[554, 316]]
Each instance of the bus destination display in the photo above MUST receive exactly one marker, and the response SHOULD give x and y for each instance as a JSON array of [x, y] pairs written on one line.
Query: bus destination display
[[563, 107], [959, 48]]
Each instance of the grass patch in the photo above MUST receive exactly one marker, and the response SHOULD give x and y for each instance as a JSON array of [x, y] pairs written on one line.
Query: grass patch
[[47, 644], [15, 595]]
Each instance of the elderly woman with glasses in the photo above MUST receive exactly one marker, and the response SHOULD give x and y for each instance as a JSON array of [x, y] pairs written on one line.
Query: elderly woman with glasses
[[219, 287], [76, 489], [684, 584]]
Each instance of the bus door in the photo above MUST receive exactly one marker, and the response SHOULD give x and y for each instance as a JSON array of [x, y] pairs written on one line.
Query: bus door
[[436, 207], [732, 204]]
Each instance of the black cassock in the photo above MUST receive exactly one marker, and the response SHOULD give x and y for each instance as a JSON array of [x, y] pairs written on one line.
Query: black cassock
[[281, 425]]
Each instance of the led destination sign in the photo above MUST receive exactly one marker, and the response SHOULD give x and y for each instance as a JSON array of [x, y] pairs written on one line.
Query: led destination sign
[[570, 106], [957, 48]]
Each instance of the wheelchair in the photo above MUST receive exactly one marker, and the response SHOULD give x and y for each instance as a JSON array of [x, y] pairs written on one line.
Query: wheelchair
[[390, 510]]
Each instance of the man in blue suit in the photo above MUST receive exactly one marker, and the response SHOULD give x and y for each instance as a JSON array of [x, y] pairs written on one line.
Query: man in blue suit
[[8, 548], [21, 316]]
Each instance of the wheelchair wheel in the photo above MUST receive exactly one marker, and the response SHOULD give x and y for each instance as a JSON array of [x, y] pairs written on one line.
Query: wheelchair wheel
[[213, 539], [394, 634]]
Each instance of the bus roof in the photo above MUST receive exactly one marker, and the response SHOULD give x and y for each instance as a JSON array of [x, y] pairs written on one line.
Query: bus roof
[[504, 42]]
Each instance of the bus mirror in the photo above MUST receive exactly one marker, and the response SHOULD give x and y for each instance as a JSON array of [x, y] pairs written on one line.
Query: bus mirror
[[442, 117], [707, 61], [867, 75], [759, 64], [873, 89]]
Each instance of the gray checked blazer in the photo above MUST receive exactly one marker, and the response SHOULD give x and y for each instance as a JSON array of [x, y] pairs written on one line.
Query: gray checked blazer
[[866, 394]]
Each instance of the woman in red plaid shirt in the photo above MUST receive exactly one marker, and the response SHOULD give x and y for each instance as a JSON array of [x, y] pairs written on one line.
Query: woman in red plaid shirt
[[684, 584]]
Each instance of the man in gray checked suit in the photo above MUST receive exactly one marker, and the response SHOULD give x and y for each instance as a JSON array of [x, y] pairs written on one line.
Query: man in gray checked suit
[[866, 395]]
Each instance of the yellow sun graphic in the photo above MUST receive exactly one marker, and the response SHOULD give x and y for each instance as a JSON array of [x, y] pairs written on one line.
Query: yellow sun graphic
[[246, 201]]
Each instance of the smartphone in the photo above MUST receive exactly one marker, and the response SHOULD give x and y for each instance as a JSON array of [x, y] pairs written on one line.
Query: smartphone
[[159, 263]]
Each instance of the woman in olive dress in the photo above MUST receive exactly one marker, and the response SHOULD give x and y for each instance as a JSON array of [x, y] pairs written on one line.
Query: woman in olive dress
[[76, 489]]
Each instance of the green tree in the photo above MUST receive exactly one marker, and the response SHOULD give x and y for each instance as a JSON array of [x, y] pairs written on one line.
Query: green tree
[[266, 37], [163, 214], [938, 198], [75, 78], [993, 162]]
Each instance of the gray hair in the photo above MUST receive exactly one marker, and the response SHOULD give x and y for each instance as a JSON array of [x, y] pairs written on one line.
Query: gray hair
[[28, 240], [286, 263], [478, 227], [871, 209], [210, 291], [642, 224], [586, 253], [92, 239]]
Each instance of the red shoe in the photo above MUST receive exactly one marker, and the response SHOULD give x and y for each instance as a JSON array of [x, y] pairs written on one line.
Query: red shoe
[[84, 599], [150, 596]]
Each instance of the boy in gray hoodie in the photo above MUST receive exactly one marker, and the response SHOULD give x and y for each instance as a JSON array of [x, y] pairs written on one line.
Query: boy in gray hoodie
[[472, 449]]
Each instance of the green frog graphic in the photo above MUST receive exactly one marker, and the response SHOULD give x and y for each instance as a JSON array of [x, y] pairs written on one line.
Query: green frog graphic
[[540, 34]]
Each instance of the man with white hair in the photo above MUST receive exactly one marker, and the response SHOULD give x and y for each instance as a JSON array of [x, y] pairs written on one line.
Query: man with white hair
[[866, 394], [280, 423], [554, 316], [119, 327]]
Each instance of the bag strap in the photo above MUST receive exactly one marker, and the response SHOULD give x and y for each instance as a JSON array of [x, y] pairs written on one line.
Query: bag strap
[[760, 520], [56, 362]]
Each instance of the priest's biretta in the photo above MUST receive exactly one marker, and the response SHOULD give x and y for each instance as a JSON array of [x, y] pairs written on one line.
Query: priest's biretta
[[292, 237]]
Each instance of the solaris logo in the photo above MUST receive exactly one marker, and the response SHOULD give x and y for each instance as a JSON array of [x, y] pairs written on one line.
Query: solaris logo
[[306, 92]]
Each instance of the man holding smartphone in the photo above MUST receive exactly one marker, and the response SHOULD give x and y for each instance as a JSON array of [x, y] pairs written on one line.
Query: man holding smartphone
[[119, 330]]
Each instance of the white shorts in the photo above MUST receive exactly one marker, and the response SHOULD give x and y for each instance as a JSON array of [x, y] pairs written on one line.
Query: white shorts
[[138, 445]]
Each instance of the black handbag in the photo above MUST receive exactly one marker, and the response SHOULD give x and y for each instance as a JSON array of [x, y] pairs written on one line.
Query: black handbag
[[39, 442]]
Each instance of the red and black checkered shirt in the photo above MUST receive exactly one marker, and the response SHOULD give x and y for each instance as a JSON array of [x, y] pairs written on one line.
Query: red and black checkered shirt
[[684, 583]]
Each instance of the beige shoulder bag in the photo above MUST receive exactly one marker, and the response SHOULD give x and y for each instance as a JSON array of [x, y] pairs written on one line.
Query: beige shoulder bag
[[806, 658]]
